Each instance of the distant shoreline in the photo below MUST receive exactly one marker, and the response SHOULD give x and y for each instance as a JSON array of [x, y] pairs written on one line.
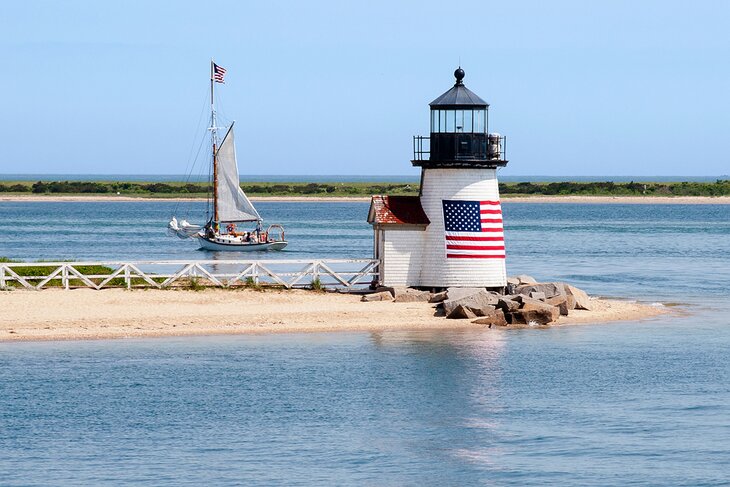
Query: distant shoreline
[[660, 200]]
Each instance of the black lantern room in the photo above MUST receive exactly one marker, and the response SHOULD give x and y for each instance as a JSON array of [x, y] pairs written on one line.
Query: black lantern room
[[459, 132]]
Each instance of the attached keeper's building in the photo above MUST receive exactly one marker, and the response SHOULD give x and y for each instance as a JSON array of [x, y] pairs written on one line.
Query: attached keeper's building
[[451, 234]]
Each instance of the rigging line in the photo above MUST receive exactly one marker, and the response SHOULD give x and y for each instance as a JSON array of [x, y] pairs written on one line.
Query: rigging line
[[195, 162], [191, 162]]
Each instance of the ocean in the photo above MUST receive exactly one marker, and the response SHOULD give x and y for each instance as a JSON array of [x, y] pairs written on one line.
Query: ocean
[[630, 403]]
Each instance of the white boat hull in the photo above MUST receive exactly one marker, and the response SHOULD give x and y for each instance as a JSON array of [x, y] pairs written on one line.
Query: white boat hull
[[232, 246]]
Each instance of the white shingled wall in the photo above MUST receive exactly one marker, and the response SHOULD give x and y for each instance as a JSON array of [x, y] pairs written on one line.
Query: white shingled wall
[[436, 270], [402, 250]]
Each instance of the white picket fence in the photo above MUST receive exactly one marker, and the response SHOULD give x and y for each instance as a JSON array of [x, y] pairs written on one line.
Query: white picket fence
[[337, 273]]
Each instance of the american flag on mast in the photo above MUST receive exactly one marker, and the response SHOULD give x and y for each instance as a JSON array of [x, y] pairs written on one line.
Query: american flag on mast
[[219, 73], [473, 229]]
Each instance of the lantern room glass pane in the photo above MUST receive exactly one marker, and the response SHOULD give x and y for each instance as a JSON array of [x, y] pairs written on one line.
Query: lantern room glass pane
[[459, 120], [468, 115], [442, 121], [450, 120], [479, 121]]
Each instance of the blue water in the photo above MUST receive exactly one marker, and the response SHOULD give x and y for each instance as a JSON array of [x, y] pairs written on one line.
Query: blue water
[[633, 403]]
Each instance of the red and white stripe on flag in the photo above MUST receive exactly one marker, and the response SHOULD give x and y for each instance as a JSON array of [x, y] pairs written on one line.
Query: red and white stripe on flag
[[473, 229], [219, 73]]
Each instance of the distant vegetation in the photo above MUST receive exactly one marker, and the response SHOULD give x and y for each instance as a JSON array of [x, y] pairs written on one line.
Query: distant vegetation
[[718, 188]]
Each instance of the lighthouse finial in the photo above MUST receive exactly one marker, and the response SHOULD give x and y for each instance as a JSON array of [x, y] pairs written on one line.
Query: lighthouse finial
[[459, 75]]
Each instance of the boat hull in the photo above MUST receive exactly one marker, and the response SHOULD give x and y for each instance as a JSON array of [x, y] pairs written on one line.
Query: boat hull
[[206, 244]]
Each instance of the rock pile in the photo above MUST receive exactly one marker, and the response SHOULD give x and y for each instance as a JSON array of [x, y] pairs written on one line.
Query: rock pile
[[525, 301]]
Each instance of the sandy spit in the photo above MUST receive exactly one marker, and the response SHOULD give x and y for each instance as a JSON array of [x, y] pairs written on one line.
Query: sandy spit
[[659, 200], [55, 314]]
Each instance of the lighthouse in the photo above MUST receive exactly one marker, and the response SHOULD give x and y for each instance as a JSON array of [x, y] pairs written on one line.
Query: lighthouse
[[451, 234]]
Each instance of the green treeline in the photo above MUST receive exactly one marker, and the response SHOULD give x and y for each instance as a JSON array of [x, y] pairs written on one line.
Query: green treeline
[[607, 188], [718, 188]]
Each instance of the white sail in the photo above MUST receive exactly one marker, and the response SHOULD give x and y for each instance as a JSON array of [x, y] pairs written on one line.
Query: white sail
[[183, 229], [233, 204]]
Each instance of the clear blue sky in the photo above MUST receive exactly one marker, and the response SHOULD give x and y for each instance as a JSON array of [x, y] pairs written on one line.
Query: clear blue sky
[[334, 87]]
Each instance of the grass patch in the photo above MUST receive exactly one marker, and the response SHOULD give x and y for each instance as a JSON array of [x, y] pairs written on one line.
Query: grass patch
[[317, 285]]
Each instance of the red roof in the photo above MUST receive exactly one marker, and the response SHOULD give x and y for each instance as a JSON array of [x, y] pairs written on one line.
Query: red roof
[[397, 210]]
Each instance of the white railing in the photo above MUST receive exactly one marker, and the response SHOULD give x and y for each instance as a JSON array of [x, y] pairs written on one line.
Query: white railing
[[337, 273]]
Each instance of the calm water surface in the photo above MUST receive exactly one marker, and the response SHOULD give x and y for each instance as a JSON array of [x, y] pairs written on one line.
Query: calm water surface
[[643, 403]]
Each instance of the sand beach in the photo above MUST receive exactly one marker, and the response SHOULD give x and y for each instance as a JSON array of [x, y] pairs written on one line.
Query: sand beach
[[54, 314]]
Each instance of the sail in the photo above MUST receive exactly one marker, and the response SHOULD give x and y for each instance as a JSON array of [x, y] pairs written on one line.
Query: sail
[[233, 204]]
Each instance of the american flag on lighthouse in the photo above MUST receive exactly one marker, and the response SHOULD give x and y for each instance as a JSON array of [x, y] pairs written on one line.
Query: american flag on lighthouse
[[473, 229], [219, 73]]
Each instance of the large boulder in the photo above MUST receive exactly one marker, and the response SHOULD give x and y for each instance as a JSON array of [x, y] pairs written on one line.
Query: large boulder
[[381, 289], [560, 302], [438, 297], [494, 318], [525, 317], [460, 312], [462, 292], [508, 305], [550, 289], [381, 296], [582, 301], [481, 299], [525, 279], [534, 310], [409, 295]]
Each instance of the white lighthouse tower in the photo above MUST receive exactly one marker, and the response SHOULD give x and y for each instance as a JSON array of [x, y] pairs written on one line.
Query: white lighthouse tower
[[451, 234]]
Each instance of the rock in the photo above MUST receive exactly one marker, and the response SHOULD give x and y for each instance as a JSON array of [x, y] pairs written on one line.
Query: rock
[[408, 295], [495, 318], [571, 301], [529, 304], [460, 312], [513, 281], [524, 317], [537, 295], [462, 292], [582, 301], [560, 302], [525, 279], [522, 300], [389, 289], [478, 300], [549, 288], [483, 311], [438, 297], [508, 305], [381, 296]]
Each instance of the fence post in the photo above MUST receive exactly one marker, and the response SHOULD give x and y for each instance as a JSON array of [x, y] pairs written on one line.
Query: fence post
[[64, 276], [127, 279], [2, 276]]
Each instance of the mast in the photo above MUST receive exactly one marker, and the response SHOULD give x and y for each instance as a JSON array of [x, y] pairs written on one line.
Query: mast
[[214, 140]]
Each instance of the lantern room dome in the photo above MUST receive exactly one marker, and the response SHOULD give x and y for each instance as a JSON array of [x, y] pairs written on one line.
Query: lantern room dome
[[459, 96]]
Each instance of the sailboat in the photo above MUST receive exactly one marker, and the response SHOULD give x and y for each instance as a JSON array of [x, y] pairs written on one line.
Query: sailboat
[[230, 205]]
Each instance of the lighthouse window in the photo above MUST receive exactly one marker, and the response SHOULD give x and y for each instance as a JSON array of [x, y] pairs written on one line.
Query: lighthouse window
[[479, 121], [450, 120], [435, 120]]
